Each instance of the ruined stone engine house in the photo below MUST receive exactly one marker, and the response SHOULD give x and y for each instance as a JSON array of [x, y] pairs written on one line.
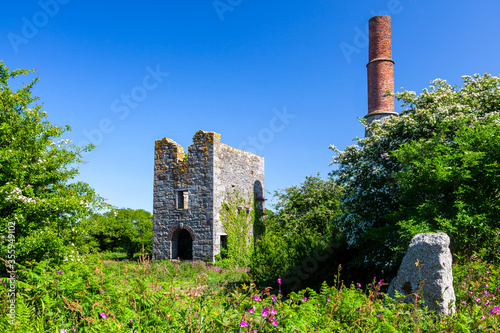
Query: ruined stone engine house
[[189, 191]]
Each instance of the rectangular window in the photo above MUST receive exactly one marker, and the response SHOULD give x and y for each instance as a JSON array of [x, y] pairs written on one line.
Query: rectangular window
[[182, 199], [223, 246]]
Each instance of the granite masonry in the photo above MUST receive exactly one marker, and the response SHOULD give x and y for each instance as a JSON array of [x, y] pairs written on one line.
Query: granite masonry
[[189, 190], [427, 270]]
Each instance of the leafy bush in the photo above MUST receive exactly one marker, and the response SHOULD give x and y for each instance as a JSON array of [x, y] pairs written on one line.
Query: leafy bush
[[301, 236]]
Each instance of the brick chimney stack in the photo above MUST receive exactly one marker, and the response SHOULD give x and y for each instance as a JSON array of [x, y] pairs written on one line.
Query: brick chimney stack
[[380, 69]]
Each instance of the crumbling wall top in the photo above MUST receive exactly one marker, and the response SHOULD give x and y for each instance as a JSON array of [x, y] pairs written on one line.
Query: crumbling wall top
[[206, 138]]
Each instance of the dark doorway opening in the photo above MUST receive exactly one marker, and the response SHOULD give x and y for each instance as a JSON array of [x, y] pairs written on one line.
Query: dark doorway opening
[[184, 245], [223, 246]]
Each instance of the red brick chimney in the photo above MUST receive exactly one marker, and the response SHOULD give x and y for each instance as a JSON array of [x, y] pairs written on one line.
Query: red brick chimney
[[380, 69]]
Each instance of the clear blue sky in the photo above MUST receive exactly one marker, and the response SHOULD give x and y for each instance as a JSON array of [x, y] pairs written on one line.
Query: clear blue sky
[[230, 70]]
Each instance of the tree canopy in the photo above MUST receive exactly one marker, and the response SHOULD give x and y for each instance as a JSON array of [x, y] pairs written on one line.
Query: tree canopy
[[434, 167], [37, 196], [121, 230]]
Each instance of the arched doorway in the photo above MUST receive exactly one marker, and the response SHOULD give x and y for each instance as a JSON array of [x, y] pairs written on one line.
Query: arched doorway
[[181, 238], [184, 244]]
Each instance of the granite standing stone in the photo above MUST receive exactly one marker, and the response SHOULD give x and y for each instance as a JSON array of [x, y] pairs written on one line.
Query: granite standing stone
[[427, 268]]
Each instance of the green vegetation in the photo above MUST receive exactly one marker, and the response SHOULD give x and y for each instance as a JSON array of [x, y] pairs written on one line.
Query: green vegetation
[[120, 230], [301, 236], [102, 295], [238, 217], [433, 168], [37, 199]]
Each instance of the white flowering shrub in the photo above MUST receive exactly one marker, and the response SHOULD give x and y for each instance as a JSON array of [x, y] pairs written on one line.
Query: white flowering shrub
[[38, 204], [431, 168]]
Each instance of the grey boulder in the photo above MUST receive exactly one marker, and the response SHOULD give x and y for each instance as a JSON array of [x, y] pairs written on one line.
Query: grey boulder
[[426, 271]]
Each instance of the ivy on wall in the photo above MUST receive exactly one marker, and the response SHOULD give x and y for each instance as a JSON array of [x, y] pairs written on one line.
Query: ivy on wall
[[238, 218]]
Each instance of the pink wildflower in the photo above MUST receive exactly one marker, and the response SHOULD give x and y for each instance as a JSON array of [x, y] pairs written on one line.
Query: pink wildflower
[[265, 312], [496, 310]]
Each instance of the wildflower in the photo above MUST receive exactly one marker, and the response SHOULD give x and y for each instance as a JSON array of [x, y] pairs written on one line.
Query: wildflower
[[279, 281], [496, 310], [273, 298], [328, 300], [243, 323], [304, 299], [103, 315], [252, 309], [257, 298], [274, 321], [358, 285], [478, 300], [265, 311], [273, 311], [482, 317], [63, 330]]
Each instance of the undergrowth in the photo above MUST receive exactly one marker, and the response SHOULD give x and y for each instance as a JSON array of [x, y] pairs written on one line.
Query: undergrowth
[[103, 295]]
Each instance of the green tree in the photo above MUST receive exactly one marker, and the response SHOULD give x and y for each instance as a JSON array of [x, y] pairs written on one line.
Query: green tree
[[301, 236], [37, 200], [421, 171], [122, 230], [453, 185]]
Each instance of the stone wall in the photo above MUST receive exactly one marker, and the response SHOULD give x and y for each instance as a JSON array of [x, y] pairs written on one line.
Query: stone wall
[[173, 173], [235, 170], [188, 193]]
